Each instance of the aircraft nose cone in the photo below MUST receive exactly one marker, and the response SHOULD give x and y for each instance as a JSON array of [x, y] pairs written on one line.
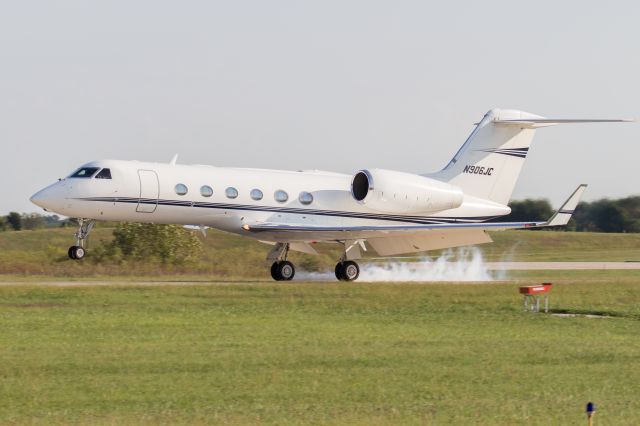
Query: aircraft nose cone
[[40, 198], [49, 198]]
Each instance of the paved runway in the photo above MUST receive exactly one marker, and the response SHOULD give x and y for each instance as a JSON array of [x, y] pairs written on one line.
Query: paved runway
[[491, 266], [538, 266]]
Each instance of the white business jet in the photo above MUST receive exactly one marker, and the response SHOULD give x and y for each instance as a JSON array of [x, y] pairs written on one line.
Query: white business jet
[[388, 211]]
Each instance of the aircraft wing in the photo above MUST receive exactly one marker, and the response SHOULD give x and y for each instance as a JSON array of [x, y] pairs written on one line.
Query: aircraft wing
[[397, 239], [386, 240], [372, 231]]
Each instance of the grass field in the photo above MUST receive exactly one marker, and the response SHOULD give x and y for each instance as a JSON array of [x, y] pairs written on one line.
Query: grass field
[[44, 253], [321, 353]]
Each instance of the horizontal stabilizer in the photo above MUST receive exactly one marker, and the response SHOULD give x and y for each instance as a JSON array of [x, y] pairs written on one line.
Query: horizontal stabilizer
[[533, 123]]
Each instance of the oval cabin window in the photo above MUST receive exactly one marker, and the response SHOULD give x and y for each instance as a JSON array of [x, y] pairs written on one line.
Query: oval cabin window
[[280, 196], [305, 198], [181, 189], [206, 191], [231, 192], [256, 194]]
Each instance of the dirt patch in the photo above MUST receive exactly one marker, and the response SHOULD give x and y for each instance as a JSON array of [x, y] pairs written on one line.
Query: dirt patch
[[586, 313]]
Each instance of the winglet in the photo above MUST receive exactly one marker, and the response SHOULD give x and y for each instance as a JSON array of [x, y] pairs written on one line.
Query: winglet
[[173, 160], [564, 213]]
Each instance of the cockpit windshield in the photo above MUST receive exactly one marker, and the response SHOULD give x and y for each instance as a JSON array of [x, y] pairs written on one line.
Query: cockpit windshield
[[104, 174], [85, 172]]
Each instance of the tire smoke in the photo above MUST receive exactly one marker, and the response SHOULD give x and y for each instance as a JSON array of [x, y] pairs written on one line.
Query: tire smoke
[[462, 264]]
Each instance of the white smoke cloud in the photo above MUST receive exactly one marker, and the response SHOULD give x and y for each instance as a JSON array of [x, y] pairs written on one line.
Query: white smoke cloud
[[463, 264]]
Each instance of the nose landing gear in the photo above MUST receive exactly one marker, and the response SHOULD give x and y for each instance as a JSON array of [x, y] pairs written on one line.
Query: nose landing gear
[[78, 251]]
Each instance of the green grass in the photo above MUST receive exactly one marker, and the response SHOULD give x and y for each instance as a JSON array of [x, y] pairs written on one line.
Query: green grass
[[316, 353], [528, 246], [226, 256]]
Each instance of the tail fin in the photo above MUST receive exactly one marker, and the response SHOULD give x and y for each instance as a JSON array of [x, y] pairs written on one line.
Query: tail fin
[[489, 163]]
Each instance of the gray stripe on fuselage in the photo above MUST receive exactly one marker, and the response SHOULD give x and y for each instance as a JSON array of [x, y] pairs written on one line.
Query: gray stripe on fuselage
[[291, 210]]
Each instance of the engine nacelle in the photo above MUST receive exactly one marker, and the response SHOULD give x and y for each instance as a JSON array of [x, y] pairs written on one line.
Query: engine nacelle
[[404, 193]]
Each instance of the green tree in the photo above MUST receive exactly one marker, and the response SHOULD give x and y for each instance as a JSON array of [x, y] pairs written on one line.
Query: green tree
[[163, 243], [530, 210], [631, 207], [52, 221], [15, 221], [3, 223], [32, 221], [621, 215], [606, 216], [69, 223], [527, 211]]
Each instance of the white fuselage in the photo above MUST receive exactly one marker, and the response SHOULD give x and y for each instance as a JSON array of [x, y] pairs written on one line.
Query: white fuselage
[[146, 192]]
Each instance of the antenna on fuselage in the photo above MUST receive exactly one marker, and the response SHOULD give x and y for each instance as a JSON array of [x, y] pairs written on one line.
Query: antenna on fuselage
[[173, 160]]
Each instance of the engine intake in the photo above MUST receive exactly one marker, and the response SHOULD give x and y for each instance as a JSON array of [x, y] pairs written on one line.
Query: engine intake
[[389, 191], [361, 185]]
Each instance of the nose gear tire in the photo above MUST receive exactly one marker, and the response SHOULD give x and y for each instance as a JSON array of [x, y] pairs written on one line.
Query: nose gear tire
[[76, 252]]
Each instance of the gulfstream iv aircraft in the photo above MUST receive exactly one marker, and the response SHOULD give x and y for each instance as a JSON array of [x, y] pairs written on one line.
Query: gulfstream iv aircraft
[[388, 211]]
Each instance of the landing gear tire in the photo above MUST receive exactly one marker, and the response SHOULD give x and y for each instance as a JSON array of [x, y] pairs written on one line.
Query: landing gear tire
[[274, 271], [286, 270], [76, 252], [283, 270], [347, 271], [340, 271]]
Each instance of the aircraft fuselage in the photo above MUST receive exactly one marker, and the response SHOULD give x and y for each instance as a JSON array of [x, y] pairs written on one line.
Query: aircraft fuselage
[[146, 192]]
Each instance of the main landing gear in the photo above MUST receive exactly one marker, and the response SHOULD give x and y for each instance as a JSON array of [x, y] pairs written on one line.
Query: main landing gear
[[281, 269], [346, 269], [78, 251]]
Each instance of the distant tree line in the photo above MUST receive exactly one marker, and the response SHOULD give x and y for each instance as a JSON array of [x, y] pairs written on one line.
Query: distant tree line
[[28, 221], [620, 215]]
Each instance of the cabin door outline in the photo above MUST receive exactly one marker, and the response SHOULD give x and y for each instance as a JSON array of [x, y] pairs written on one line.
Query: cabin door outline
[[149, 191]]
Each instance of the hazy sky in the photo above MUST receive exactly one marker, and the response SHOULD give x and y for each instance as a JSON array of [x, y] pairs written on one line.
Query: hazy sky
[[337, 85]]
